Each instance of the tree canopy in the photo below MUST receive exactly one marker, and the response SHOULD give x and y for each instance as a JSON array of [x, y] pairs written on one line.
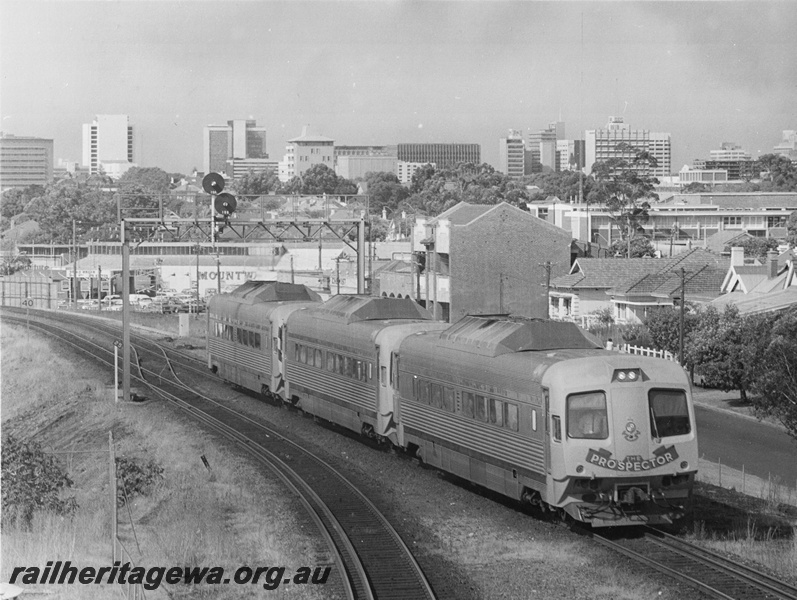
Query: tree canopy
[[258, 183], [320, 179]]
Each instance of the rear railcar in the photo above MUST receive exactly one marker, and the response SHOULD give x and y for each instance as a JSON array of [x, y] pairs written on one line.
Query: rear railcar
[[245, 333]]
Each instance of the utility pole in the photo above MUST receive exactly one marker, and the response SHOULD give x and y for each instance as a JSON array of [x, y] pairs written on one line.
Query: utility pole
[[74, 264], [125, 314], [681, 321]]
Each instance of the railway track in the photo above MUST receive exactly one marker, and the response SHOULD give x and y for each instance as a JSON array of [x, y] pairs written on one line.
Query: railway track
[[373, 560], [712, 574]]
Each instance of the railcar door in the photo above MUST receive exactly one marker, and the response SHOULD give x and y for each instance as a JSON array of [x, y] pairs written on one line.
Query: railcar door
[[385, 418]]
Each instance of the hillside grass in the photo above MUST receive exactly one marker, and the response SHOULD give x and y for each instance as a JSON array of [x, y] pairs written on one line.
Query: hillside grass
[[232, 515]]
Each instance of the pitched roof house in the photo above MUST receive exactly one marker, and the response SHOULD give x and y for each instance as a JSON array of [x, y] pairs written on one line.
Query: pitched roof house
[[633, 287], [766, 286]]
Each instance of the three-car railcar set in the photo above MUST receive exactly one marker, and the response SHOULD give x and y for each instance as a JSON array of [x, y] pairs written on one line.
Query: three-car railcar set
[[533, 409]]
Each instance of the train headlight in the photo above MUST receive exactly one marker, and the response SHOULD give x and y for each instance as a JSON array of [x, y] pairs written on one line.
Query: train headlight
[[627, 375], [684, 465]]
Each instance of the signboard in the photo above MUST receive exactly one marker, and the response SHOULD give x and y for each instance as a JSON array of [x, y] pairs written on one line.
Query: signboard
[[117, 343]]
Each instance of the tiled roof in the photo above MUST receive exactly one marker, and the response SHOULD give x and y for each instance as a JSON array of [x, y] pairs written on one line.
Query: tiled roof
[[760, 303], [463, 213], [705, 272], [720, 241]]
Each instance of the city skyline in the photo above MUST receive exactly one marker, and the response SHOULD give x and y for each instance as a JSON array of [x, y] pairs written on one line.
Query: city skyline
[[398, 72]]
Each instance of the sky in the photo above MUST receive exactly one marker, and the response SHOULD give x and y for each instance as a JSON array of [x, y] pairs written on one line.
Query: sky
[[388, 72]]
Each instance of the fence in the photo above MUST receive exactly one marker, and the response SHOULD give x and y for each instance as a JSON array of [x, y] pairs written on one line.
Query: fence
[[642, 351]]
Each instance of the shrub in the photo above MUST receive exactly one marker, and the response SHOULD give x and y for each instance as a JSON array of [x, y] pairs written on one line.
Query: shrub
[[135, 479], [32, 481]]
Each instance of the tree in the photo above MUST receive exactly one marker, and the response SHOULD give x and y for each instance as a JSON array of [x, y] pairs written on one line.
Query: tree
[[562, 184], [420, 177], [385, 191], [775, 388], [255, 184], [664, 327], [141, 190], [640, 247], [13, 263], [15, 200], [464, 182], [695, 188], [624, 186], [756, 247], [318, 179], [791, 226], [727, 348], [778, 173], [32, 481], [69, 200]]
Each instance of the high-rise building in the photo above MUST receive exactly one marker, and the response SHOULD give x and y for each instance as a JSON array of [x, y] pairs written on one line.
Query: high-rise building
[[542, 153], [443, 155], [108, 145], [304, 152], [25, 161], [788, 145], [732, 158], [618, 140], [511, 155], [238, 139]]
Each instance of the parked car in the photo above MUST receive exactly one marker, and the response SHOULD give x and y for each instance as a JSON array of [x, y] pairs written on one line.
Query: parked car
[[165, 305]]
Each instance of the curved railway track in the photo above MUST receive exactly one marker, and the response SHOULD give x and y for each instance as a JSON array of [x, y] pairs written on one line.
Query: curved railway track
[[714, 575], [376, 562]]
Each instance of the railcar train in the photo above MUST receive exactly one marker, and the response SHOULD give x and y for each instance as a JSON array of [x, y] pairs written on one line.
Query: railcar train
[[533, 409]]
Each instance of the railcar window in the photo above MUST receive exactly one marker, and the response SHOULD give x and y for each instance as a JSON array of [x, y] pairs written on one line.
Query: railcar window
[[510, 416], [341, 365], [330, 362], [358, 370], [556, 426], [587, 417], [496, 411], [467, 404], [437, 395], [303, 354], [448, 399], [383, 375], [480, 408], [533, 420], [319, 359], [370, 371], [257, 340], [423, 389], [669, 414]]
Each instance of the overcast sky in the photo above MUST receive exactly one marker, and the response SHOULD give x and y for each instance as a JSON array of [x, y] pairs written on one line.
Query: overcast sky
[[390, 72]]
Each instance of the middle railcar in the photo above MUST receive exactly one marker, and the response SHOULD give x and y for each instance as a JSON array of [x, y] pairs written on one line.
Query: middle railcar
[[337, 360]]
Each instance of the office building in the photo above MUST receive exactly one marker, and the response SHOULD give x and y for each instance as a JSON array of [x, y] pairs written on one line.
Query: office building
[[788, 145], [618, 140], [443, 155], [511, 155], [304, 152], [108, 145], [25, 161], [541, 155], [731, 158], [238, 139], [353, 162]]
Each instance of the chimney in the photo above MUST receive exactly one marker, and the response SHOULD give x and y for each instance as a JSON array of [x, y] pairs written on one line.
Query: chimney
[[737, 256], [772, 263]]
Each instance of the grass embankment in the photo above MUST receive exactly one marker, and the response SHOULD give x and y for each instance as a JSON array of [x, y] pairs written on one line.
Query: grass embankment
[[230, 516]]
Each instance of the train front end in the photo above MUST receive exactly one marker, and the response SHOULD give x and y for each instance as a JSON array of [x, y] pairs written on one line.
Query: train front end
[[622, 440]]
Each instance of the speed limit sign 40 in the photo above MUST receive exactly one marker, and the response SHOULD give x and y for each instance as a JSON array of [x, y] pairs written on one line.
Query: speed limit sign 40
[[28, 302]]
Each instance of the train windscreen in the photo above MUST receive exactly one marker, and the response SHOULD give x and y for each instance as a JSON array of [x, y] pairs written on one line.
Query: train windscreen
[[669, 414], [586, 416]]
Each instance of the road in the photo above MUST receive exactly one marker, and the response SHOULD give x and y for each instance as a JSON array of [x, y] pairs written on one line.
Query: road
[[740, 441]]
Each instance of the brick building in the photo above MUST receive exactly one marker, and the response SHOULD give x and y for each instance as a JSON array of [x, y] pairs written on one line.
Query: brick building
[[482, 259]]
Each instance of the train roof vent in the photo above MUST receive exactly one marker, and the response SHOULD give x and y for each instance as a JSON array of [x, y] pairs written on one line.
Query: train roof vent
[[274, 291], [367, 308], [493, 337]]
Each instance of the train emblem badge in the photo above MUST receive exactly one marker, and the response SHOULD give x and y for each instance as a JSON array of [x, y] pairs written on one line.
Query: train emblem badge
[[631, 433], [603, 458]]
